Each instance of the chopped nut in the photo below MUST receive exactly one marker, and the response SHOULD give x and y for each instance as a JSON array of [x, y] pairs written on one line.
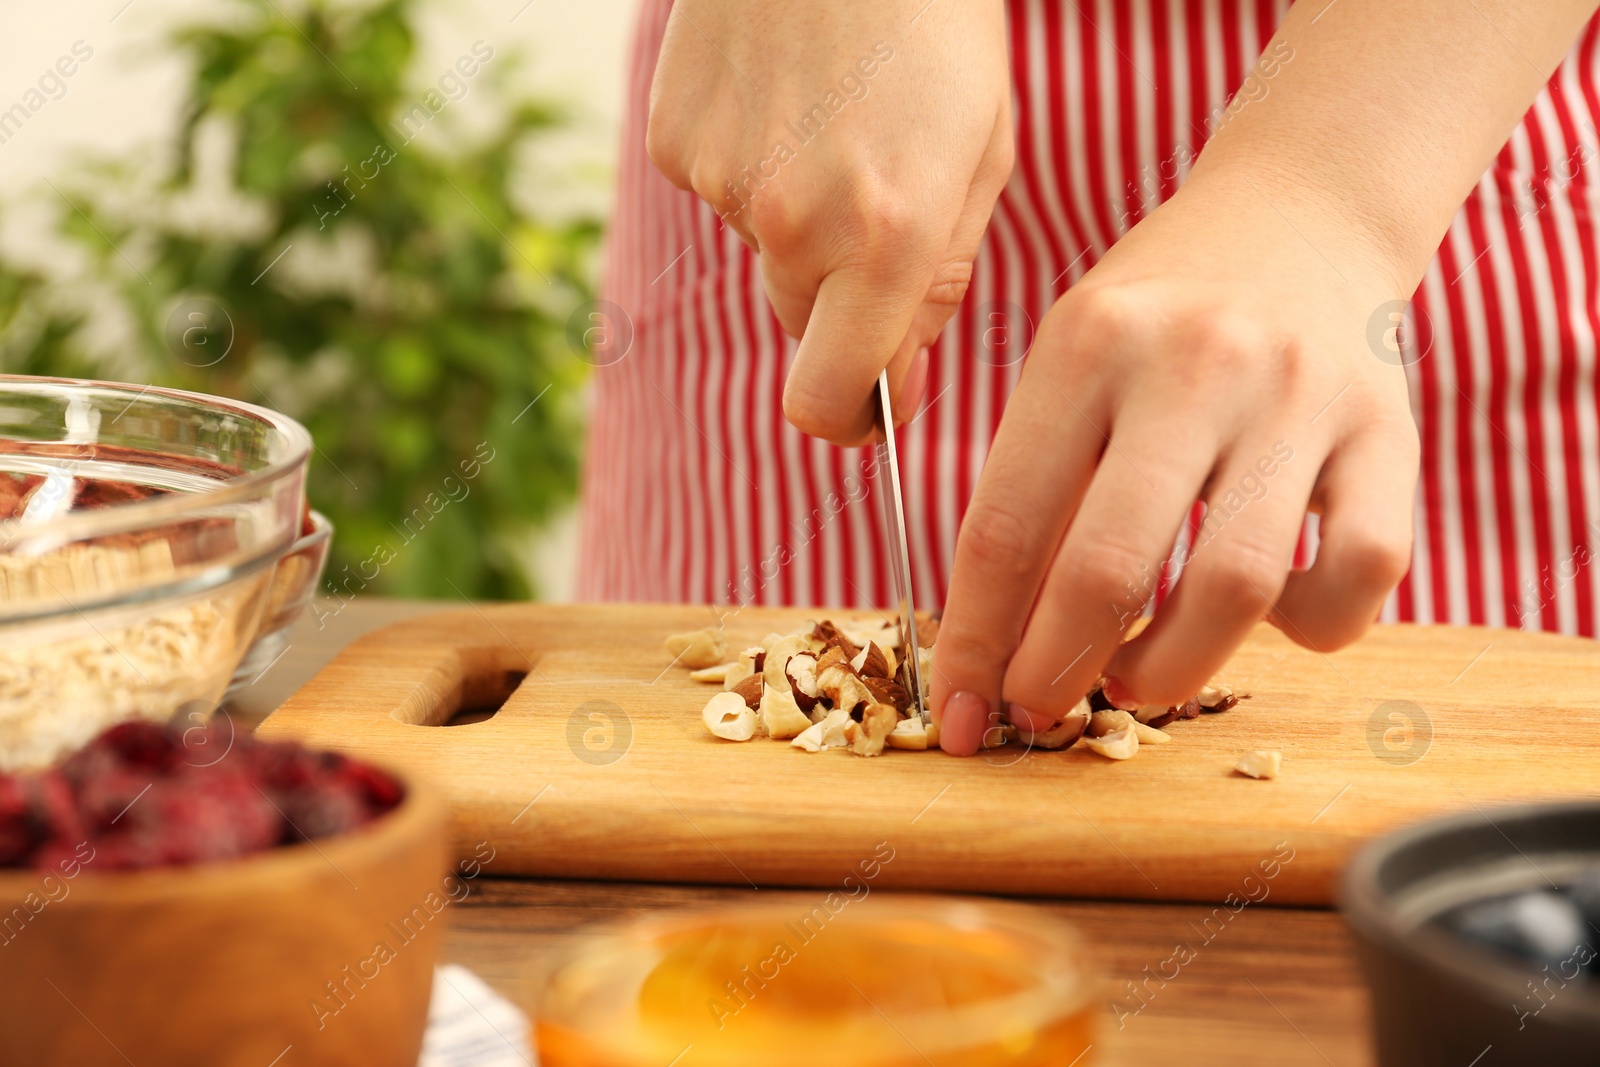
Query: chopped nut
[[1149, 735], [777, 659], [1119, 744], [727, 716], [771, 639], [780, 715], [909, 734], [1157, 715], [839, 683], [715, 675], [1261, 763], [801, 674], [1063, 734], [868, 736], [873, 632], [885, 691], [1102, 723], [873, 662], [829, 635], [833, 727], [1215, 698], [810, 738], [701, 648], [750, 690]]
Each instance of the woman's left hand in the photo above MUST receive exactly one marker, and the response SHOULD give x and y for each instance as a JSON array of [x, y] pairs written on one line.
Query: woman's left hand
[[1222, 351]]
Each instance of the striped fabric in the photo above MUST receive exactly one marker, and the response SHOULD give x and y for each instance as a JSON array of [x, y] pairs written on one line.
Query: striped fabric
[[696, 489]]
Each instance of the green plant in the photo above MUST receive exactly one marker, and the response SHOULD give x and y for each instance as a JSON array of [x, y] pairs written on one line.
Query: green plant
[[312, 249]]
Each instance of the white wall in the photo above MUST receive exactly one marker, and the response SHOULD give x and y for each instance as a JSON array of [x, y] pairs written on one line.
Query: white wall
[[122, 101]]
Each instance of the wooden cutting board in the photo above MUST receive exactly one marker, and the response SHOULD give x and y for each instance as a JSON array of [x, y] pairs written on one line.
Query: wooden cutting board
[[597, 765]]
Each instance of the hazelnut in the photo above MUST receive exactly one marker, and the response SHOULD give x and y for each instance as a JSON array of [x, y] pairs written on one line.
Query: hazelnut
[[1063, 734], [1119, 744], [801, 674], [829, 635], [701, 648], [1102, 723], [715, 675], [777, 659], [909, 734], [1261, 763], [1149, 735], [1215, 698], [780, 715], [873, 662], [833, 726], [868, 736], [885, 691], [750, 690], [727, 716], [1157, 715], [810, 738]]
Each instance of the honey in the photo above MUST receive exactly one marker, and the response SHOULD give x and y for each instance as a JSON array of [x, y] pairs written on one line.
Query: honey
[[883, 982]]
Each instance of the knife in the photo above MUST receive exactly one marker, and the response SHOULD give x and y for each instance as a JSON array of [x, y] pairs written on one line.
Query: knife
[[891, 497]]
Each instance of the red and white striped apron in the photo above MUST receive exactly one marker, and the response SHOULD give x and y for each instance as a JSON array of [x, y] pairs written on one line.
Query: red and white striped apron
[[696, 489]]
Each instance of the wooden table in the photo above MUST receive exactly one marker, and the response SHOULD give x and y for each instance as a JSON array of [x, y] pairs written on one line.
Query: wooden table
[[1274, 986]]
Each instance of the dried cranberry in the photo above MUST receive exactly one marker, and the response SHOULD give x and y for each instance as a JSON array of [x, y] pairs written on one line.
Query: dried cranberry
[[17, 837], [52, 808]]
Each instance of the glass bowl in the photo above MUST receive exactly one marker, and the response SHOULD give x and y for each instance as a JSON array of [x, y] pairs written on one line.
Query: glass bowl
[[139, 531], [838, 978], [294, 584]]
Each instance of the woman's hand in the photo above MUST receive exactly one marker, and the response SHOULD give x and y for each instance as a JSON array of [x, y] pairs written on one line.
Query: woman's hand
[[859, 148], [1219, 352]]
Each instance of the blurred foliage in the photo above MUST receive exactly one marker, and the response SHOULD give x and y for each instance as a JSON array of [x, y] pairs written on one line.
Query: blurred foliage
[[417, 322]]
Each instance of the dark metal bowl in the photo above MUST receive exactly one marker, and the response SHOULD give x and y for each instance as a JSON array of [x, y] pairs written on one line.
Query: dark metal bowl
[[1441, 999]]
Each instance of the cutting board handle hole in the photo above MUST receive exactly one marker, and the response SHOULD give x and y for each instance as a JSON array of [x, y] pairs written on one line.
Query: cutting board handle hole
[[480, 709], [466, 688]]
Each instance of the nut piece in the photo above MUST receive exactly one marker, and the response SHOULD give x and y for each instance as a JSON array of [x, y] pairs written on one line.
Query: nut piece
[[1215, 698], [810, 738], [777, 658], [749, 690], [1119, 744], [868, 736], [909, 734], [727, 716], [873, 662], [1149, 735], [801, 674], [1063, 734], [833, 727], [701, 648], [1102, 723], [781, 716], [839, 682], [885, 691], [747, 664], [715, 675], [1262, 763]]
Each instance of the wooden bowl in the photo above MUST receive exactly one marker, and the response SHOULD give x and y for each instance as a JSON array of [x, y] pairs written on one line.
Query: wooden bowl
[[315, 953]]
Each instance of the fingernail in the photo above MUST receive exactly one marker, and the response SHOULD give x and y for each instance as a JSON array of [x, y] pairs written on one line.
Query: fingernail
[[911, 389], [1032, 720], [1119, 696], [966, 716]]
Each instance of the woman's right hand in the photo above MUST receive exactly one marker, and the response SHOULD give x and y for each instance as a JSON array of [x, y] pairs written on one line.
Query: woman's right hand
[[858, 148]]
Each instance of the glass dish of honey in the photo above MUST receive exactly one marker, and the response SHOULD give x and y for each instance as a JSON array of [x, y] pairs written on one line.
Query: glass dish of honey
[[884, 981]]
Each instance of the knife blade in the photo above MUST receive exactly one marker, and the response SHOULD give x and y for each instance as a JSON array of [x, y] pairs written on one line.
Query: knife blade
[[891, 498]]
